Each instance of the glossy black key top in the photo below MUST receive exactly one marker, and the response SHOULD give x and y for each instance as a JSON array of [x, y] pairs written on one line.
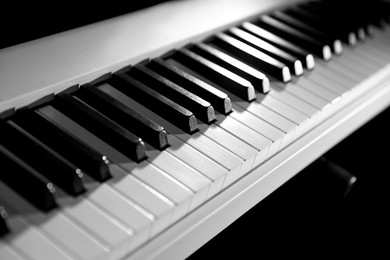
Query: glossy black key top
[[110, 132], [304, 56], [228, 80], [255, 58], [48, 163], [70, 147], [334, 43], [26, 181], [328, 26], [257, 78], [133, 121], [302, 15], [287, 32], [166, 108], [218, 99], [379, 14], [3, 221], [200, 107], [338, 19], [293, 63]]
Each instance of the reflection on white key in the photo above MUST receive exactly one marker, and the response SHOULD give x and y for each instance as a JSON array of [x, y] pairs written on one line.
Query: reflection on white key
[[137, 191], [219, 154], [246, 152], [184, 174], [114, 234], [339, 75], [132, 215], [295, 102], [274, 119], [32, 243], [329, 83], [9, 253], [248, 135], [260, 126], [319, 90], [59, 227], [288, 112], [166, 185], [301, 93], [197, 160]]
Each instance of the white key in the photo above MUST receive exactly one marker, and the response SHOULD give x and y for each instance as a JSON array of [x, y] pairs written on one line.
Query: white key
[[57, 226], [246, 152], [260, 126], [166, 185], [340, 75], [329, 83], [294, 102], [274, 119], [219, 154], [359, 62], [111, 232], [71, 235], [155, 203], [198, 183], [9, 253], [248, 135], [183, 203], [129, 213], [301, 93], [374, 51], [238, 102], [318, 90], [200, 142], [113, 154], [380, 47], [377, 53], [197, 160], [301, 120], [33, 244]]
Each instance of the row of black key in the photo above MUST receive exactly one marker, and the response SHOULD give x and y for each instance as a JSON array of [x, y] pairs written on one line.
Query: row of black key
[[184, 86]]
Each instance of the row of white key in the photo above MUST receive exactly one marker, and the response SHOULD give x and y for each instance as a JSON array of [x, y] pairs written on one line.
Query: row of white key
[[121, 214]]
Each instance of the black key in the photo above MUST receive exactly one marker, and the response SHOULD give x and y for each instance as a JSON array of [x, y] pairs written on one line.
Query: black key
[[219, 100], [133, 121], [166, 108], [344, 35], [70, 147], [26, 181], [304, 56], [3, 221], [227, 79], [252, 56], [44, 160], [328, 25], [334, 43], [110, 132], [287, 32], [200, 107], [290, 61], [338, 18], [379, 14], [255, 77]]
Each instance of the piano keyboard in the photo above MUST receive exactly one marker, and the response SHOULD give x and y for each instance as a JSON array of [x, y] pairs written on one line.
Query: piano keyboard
[[155, 158]]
